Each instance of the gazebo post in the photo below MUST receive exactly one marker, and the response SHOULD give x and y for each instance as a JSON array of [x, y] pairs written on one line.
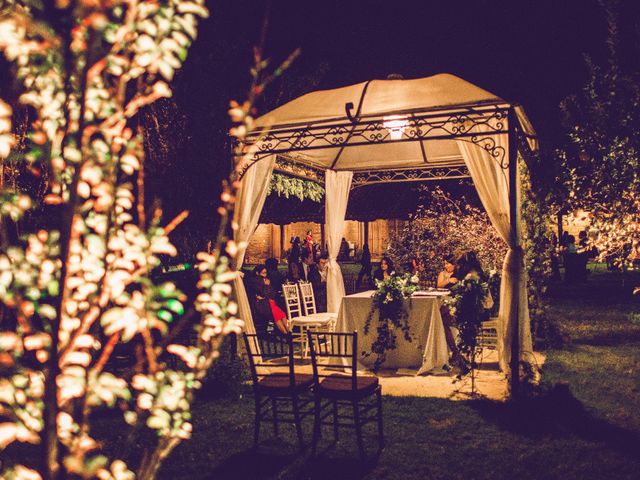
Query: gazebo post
[[514, 363]]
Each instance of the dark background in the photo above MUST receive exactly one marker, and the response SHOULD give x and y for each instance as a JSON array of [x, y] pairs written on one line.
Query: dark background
[[529, 52], [525, 51]]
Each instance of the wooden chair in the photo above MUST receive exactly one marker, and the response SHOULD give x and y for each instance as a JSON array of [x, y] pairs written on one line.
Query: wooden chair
[[363, 394], [278, 390]]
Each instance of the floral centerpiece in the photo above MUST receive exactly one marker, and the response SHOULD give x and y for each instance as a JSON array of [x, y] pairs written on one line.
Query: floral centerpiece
[[388, 301]]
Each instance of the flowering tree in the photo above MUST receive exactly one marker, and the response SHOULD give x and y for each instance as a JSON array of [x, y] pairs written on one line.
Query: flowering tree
[[601, 162], [443, 226], [70, 295]]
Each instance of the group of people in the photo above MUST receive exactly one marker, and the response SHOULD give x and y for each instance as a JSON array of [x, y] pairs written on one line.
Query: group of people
[[264, 289], [301, 247], [455, 269], [575, 256]]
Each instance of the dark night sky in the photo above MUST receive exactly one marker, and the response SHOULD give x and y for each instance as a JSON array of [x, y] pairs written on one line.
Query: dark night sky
[[526, 51]]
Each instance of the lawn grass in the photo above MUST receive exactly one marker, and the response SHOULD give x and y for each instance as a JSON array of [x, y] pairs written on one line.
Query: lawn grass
[[584, 425]]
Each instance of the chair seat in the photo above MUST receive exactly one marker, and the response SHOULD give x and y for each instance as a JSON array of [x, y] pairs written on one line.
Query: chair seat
[[313, 319], [281, 381], [323, 315], [340, 386]]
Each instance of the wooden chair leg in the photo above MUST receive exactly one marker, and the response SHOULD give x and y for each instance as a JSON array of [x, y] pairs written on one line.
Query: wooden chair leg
[[296, 417], [274, 412], [256, 427], [380, 430], [317, 428], [335, 421], [358, 424]]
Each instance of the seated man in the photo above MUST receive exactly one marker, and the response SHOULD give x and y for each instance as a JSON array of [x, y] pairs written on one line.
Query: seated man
[[309, 272]]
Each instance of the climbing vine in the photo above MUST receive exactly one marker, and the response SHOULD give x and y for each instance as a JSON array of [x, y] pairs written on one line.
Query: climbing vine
[[286, 186]]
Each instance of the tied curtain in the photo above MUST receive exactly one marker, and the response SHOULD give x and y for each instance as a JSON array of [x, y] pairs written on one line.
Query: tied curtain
[[337, 185], [492, 183], [249, 202]]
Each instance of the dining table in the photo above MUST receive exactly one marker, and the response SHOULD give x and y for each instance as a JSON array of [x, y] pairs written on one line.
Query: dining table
[[425, 353]]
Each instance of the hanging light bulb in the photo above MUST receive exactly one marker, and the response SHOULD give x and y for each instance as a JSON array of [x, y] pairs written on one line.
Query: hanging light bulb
[[395, 124]]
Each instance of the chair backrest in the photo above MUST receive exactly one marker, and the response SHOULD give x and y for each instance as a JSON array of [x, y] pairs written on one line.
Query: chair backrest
[[262, 352], [334, 345], [308, 299], [292, 300], [488, 334]]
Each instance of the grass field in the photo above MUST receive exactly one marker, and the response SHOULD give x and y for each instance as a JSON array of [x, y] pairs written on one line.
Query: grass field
[[584, 424]]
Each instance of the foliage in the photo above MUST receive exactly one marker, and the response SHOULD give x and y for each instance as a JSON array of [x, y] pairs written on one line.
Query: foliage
[[388, 300], [446, 226], [286, 186], [601, 163], [467, 305], [73, 295], [537, 245]]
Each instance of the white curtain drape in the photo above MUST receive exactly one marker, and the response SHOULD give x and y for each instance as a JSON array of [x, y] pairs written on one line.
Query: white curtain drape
[[337, 185], [492, 183], [249, 202]]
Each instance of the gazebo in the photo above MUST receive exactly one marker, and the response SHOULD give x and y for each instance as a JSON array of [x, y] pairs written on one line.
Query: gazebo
[[396, 131]]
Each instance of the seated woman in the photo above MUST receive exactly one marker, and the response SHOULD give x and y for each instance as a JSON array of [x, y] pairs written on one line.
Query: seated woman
[[276, 280], [444, 277], [386, 269], [293, 273], [468, 266], [263, 298]]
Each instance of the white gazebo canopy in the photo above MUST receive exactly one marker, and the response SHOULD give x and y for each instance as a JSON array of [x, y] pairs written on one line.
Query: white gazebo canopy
[[419, 126]]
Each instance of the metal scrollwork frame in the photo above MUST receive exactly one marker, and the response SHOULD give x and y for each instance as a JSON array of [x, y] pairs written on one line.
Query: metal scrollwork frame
[[477, 125], [408, 175]]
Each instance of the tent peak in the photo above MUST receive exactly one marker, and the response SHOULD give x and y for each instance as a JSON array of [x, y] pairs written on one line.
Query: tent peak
[[382, 97]]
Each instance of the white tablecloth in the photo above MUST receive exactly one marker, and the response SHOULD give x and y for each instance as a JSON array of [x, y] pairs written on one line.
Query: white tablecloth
[[427, 351]]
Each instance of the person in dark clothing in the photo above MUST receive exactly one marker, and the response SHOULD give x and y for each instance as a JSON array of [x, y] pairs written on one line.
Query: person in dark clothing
[[365, 270], [386, 269], [293, 273], [294, 253], [583, 252], [256, 292], [344, 250], [309, 270], [276, 279], [570, 260], [264, 305], [321, 291]]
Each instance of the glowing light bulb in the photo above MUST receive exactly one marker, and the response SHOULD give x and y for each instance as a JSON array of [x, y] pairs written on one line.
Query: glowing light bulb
[[396, 124]]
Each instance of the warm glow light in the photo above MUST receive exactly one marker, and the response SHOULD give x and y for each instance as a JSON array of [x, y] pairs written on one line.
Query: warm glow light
[[396, 125]]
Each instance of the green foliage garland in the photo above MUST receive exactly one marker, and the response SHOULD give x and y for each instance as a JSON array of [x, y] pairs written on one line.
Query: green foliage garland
[[286, 186], [388, 300], [466, 305], [537, 246]]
